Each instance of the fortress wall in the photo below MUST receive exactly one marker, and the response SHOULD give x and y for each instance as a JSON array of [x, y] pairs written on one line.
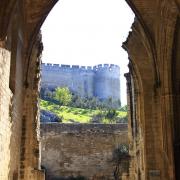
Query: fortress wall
[[102, 81], [83, 83], [80, 149], [73, 77]]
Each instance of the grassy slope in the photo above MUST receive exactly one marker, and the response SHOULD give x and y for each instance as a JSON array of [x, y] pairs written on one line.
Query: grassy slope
[[76, 114]]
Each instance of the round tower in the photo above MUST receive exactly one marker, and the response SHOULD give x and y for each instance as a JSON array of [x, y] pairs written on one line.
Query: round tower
[[107, 82]]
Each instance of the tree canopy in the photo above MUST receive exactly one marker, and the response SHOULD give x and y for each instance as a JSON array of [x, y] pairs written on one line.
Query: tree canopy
[[63, 95]]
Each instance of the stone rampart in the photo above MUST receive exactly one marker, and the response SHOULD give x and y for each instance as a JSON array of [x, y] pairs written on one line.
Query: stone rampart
[[80, 149], [85, 81]]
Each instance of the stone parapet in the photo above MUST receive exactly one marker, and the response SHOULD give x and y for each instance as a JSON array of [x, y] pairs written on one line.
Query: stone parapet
[[81, 149], [57, 128]]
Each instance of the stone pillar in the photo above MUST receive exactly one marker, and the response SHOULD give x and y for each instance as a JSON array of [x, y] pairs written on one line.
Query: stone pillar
[[30, 166], [130, 126]]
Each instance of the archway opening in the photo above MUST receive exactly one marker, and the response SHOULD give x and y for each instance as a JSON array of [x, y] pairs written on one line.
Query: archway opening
[[87, 34], [82, 46]]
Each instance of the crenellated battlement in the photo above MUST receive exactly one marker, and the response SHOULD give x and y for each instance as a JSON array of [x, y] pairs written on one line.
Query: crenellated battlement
[[102, 80], [49, 66]]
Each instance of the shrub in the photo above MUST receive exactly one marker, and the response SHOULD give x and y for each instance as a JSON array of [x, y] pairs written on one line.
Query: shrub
[[98, 118], [63, 95], [111, 114]]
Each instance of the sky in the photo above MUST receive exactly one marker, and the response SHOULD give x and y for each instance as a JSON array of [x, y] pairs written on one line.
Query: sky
[[88, 32]]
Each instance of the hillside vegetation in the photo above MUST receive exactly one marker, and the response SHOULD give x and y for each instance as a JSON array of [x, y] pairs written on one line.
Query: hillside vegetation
[[69, 114]]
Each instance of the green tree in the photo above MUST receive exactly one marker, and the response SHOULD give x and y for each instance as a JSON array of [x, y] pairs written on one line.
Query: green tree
[[63, 95]]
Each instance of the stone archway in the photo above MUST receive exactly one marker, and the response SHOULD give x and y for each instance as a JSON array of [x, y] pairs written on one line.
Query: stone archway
[[153, 94]]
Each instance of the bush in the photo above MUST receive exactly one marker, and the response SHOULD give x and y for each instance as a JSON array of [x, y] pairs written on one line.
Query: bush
[[63, 95], [111, 114], [98, 118]]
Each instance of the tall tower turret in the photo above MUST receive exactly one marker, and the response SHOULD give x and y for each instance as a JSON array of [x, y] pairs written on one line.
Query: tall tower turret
[[107, 81]]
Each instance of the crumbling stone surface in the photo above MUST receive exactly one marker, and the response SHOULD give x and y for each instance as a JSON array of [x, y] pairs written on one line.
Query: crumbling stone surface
[[5, 119], [80, 149]]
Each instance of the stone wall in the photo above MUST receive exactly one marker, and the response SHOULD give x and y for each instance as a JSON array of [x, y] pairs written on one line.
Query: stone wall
[[80, 149], [11, 104], [102, 81], [5, 121]]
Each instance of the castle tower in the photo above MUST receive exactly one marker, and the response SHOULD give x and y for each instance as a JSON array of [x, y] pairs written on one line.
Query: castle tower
[[107, 81]]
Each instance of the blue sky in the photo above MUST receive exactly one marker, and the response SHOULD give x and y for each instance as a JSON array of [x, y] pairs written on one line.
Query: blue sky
[[88, 32]]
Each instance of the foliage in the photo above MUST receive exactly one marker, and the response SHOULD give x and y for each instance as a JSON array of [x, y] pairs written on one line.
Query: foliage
[[111, 114], [98, 117], [80, 115], [63, 95], [107, 116], [46, 93], [49, 94], [94, 103], [124, 108]]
